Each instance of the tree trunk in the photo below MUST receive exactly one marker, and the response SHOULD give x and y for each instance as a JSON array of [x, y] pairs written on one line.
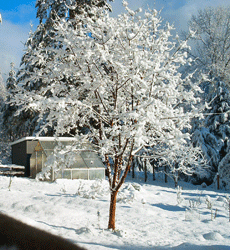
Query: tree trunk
[[112, 210], [153, 165], [145, 169], [166, 176], [154, 175], [175, 181], [133, 169]]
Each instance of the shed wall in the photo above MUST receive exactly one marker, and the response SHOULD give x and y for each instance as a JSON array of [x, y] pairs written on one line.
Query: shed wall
[[21, 153], [30, 146]]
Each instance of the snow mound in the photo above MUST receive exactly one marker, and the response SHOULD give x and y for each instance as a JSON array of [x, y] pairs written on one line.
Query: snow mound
[[221, 198], [192, 214], [213, 236], [120, 233], [136, 186]]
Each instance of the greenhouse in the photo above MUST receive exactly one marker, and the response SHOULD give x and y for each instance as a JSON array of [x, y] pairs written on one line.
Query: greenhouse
[[83, 163]]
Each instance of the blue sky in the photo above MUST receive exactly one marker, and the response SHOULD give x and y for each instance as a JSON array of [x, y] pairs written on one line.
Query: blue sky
[[18, 14], [18, 11]]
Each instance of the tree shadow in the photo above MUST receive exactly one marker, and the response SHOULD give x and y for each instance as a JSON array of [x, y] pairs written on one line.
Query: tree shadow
[[169, 207], [54, 226], [183, 246]]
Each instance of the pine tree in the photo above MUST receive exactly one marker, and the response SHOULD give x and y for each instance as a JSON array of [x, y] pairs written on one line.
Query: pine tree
[[49, 14], [8, 111], [5, 150], [213, 134], [11, 80]]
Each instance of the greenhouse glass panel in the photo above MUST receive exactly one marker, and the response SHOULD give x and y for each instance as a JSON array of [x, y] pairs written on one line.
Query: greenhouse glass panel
[[94, 163], [37, 161], [59, 175], [96, 174], [79, 163], [88, 155], [80, 174], [66, 174], [48, 144]]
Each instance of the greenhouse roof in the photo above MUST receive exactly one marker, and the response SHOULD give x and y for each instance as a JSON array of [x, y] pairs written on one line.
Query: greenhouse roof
[[45, 138], [84, 158]]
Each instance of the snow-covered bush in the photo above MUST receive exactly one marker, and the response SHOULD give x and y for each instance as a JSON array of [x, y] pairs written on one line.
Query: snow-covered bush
[[97, 189], [127, 194], [208, 202], [179, 195]]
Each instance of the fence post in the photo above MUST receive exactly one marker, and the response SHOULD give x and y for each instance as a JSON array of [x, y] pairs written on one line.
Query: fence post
[[218, 181], [166, 176], [145, 168]]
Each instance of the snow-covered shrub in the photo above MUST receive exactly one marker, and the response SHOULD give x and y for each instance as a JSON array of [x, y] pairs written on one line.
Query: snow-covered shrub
[[193, 210], [179, 195], [127, 194], [192, 214], [136, 186], [208, 202], [97, 189], [226, 204], [194, 203]]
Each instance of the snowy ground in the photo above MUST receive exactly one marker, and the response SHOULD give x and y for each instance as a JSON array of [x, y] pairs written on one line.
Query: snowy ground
[[148, 215]]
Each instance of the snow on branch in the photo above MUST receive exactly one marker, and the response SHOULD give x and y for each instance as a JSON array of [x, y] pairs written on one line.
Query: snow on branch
[[119, 80]]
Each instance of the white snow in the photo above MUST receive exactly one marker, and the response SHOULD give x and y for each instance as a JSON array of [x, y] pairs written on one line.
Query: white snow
[[148, 215]]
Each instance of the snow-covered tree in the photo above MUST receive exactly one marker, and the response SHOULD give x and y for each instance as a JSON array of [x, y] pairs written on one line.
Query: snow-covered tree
[[224, 172], [48, 12], [123, 86], [3, 89], [212, 41], [11, 80], [8, 111], [213, 133], [4, 144], [47, 9]]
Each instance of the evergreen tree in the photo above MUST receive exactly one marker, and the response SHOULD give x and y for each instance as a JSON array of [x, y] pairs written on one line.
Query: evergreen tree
[[49, 14], [213, 133], [8, 119], [11, 80]]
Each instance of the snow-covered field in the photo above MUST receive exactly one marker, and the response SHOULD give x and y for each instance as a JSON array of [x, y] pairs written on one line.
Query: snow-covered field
[[148, 214]]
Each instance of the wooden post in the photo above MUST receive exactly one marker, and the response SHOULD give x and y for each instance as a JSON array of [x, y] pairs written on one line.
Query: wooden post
[[153, 165], [166, 176], [218, 181], [145, 169]]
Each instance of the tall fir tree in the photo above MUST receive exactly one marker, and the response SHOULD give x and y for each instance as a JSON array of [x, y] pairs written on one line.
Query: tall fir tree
[[49, 13], [213, 133], [8, 110]]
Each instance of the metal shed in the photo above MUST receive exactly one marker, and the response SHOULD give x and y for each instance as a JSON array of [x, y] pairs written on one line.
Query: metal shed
[[33, 152]]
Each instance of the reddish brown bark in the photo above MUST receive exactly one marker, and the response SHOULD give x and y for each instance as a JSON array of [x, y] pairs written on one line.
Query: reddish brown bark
[[115, 185], [112, 210]]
